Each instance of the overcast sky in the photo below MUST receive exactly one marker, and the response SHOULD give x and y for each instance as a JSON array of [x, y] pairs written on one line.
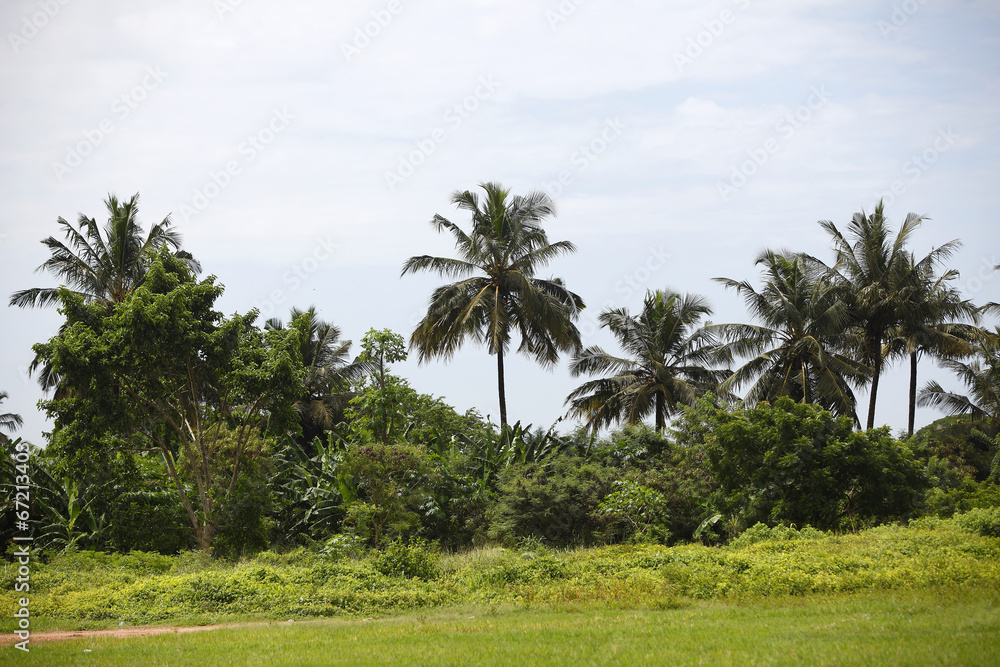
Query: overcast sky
[[301, 148]]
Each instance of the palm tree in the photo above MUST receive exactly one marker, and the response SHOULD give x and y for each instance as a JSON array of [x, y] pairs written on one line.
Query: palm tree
[[927, 307], [872, 270], [981, 375], [103, 269], [667, 363], [798, 349], [98, 268], [497, 292], [329, 372], [8, 420]]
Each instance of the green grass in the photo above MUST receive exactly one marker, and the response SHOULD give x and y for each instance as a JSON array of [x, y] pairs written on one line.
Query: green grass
[[927, 593], [955, 627]]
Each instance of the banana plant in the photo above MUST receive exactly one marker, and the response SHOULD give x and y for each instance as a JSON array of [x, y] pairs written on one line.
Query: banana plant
[[316, 483], [66, 528]]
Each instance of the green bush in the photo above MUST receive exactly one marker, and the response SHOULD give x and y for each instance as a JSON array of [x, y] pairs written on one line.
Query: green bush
[[762, 533], [798, 464], [410, 561], [554, 501], [982, 520], [643, 511]]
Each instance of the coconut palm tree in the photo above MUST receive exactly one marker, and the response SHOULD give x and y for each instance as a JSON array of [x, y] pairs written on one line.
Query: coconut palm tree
[[667, 363], [101, 268], [8, 420], [872, 270], [929, 307], [330, 372], [797, 350], [497, 293], [981, 375]]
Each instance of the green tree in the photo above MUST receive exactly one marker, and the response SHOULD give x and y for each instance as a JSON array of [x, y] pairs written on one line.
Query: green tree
[[376, 410], [330, 373], [928, 307], [980, 375], [8, 420], [667, 363], [389, 482], [162, 371], [873, 270], [792, 463], [101, 268], [797, 349], [498, 293]]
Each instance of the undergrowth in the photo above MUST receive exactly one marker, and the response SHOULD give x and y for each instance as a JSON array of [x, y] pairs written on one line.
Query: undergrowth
[[141, 588]]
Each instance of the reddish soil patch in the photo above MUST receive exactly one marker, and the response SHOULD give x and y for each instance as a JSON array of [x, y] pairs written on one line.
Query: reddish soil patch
[[9, 638]]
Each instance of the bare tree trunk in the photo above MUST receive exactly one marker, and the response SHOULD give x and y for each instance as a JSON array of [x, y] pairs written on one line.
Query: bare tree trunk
[[872, 397], [913, 393], [500, 382]]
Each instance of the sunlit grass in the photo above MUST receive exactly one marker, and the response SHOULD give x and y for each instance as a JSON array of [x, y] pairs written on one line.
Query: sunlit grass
[[930, 627]]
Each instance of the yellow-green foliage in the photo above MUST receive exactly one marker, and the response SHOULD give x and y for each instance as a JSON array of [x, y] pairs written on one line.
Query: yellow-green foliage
[[141, 588]]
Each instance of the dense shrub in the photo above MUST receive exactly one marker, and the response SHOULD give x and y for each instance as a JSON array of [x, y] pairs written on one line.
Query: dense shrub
[[410, 561], [984, 521], [798, 464], [554, 501], [958, 441]]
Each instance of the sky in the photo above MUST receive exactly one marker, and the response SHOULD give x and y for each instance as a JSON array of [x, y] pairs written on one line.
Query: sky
[[302, 149]]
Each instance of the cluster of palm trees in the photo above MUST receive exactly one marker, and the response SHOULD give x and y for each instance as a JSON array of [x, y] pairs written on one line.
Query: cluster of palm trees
[[820, 331]]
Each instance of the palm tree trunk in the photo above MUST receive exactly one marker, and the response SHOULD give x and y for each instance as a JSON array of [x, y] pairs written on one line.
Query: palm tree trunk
[[872, 397], [913, 393], [503, 395], [660, 420]]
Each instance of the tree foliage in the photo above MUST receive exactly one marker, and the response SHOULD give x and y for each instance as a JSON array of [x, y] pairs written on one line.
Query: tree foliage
[[498, 294], [668, 362], [163, 371], [791, 463]]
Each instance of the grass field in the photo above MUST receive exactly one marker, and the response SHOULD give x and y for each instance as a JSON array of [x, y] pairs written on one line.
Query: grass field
[[930, 627], [924, 594]]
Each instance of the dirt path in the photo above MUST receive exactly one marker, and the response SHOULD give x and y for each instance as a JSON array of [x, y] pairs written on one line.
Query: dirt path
[[9, 638]]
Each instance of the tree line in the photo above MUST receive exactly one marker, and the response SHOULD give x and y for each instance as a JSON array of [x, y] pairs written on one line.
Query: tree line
[[155, 392]]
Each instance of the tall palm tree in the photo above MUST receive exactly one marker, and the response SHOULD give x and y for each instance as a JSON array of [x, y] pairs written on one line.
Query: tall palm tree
[[330, 372], [103, 268], [873, 269], [981, 375], [497, 293], [797, 350], [8, 420], [929, 306], [100, 268], [667, 363]]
